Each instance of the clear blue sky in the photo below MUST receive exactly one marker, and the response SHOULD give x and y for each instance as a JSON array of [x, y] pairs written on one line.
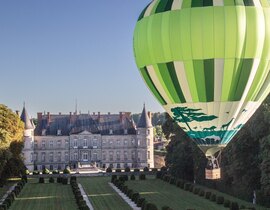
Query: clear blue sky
[[53, 52]]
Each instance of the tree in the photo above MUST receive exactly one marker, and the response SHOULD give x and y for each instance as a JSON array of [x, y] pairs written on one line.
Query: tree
[[11, 142]]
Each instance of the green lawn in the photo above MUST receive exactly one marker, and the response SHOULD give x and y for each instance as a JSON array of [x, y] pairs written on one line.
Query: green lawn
[[45, 196], [102, 196], [161, 193]]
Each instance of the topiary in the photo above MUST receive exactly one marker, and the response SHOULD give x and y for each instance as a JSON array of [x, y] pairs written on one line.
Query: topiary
[[208, 195], [51, 180], [45, 171], [158, 174], [130, 193], [196, 190], [154, 169], [144, 203], [135, 197], [109, 170], [142, 177], [227, 203], [66, 171], [136, 170], [132, 177], [187, 186], [41, 180], [201, 193], [234, 206], [213, 197], [35, 172], [164, 168], [145, 169], [64, 180], [73, 178], [166, 208], [172, 180], [191, 188], [118, 170], [220, 199], [127, 169], [140, 202], [114, 177], [59, 179], [56, 172]]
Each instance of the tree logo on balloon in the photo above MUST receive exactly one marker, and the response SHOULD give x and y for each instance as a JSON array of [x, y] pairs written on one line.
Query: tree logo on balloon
[[186, 115]]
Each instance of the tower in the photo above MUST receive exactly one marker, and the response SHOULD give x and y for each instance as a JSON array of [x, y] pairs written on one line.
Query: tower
[[145, 132], [28, 150]]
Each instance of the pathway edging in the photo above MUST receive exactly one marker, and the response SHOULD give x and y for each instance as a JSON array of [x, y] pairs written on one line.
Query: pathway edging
[[126, 199], [85, 197]]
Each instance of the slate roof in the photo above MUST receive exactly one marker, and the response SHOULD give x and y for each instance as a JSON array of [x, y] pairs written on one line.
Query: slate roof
[[25, 118], [144, 121]]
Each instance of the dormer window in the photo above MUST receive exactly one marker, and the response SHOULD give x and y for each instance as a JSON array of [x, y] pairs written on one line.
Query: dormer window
[[125, 131], [59, 132], [111, 131], [43, 132]]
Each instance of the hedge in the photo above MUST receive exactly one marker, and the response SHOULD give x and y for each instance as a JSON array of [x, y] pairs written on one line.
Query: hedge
[[132, 177], [51, 180], [142, 177], [140, 202], [127, 169], [227, 203], [41, 180], [213, 197], [234, 206], [208, 195], [151, 206], [109, 170], [220, 200], [145, 169]]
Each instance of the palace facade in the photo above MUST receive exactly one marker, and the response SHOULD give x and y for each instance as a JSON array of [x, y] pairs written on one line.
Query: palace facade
[[78, 140]]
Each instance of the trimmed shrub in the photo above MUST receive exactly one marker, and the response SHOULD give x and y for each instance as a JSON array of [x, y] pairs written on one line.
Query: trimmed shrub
[[172, 180], [140, 202], [164, 168], [227, 203], [213, 197], [127, 169], [142, 177], [45, 171], [191, 188], [114, 177], [145, 169], [154, 169], [132, 177], [136, 170], [65, 180], [234, 206], [144, 205], [51, 180], [158, 174], [59, 179], [187, 186], [151, 206], [109, 170], [41, 180], [66, 171], [208, 195], [35, 172], [166, 178], [73, 178], [196, 190], [220, 199], [24, 178], [3, 207], [130, 193], [242, 207], [180, 183], [125, 189], [201, 193], [56, 172], [135, 197], [8, 202], [118, 170]]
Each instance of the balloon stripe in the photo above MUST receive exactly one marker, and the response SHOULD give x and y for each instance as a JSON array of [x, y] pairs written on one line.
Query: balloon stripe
[[249, 3], [167, 83], [150, 8], [177, 4], [218, 3], [186, 4], [158, 82], [191, 80], [209, 79], [219, 32], [151, 86], [175, 80], [196, 3], [229, 3], [182, 78], [207, 3], [161, 6], [142, 13], [227, 78], [219, 71], [200, 79]]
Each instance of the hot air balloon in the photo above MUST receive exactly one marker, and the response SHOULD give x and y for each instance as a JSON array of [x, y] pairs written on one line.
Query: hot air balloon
[[207, 62]]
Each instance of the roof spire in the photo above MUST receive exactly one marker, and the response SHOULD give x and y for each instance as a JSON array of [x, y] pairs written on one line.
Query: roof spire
[[144, 121], [25, 118]]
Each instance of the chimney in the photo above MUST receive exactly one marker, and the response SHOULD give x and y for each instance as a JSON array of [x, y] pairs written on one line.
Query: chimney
[[39, 116], [18, 112], [48, 117]]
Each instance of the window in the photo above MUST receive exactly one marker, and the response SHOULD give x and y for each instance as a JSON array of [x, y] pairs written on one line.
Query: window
[[94, 156], [32, 145], [133, 155], [118, 142], [148, 132], [138, 132], [104, 156], [43, 157], [85, 143], [125, 131], [139, 142], [85, 156], [59, 132], [132, 141], [139, 156], [75, 156], [43, 132], [66, 157], [35, 156], [118, 165], [104, 142], [75, 143], [43, 144], [59, 143], [31, 157], [118, 155], [51, 144], [148, 155], [51, 167], [125, 155], [111, 131], [59, 157], [51, 157], [148, 142], [111, 155], [66, 144], [94, 143], [125, 142], [35, 144], [111, 143]]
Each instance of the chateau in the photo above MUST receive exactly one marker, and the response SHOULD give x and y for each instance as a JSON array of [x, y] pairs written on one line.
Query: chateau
[[78, 140]]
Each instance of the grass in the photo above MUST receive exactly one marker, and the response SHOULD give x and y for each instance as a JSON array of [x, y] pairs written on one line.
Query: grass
[[163, 194], [45, 196], [102, 196]]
